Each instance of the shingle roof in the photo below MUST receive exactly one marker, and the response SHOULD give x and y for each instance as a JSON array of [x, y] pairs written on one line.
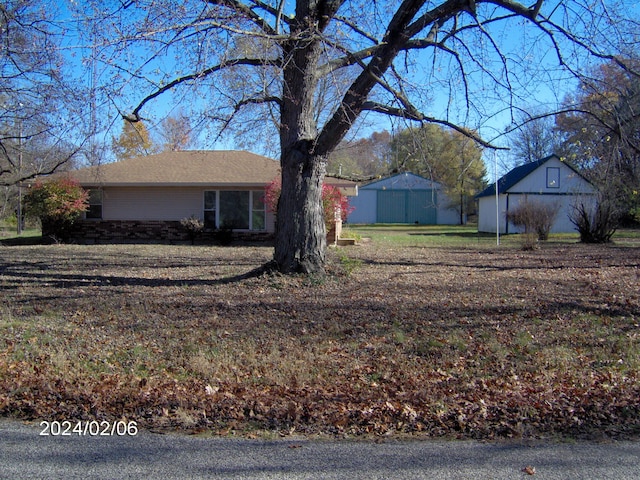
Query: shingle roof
[[185, 168], [210, 168], [513, 177]]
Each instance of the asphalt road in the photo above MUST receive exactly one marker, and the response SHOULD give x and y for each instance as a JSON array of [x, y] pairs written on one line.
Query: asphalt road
[[25, 454]]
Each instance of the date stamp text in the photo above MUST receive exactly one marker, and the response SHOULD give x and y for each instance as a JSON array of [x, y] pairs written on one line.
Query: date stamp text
[[92, 428]]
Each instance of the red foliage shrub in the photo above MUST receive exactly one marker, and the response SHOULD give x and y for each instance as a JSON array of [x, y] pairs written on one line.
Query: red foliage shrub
[[333, 201]]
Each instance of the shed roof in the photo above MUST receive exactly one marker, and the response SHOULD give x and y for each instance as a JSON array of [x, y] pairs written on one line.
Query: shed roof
[[402, 181]]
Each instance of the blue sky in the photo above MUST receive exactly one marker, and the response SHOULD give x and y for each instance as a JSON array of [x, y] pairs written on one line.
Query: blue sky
[[540, 85]]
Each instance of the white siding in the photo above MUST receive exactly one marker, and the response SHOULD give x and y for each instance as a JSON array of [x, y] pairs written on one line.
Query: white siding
[[571, 189], [158, 203], [562, 224], [564, 205], [487, 213], [151, 203]]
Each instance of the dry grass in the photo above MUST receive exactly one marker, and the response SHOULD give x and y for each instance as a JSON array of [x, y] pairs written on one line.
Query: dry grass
[[465, 340]]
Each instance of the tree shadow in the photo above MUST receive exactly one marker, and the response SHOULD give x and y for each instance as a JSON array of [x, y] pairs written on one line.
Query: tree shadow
[[453, 234]]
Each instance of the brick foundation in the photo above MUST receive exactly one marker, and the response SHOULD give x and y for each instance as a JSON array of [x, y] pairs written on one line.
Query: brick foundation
[[125, 231], [131, 231]]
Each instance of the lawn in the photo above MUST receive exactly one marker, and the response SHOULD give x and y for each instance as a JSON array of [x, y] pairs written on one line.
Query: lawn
[[421, 331]]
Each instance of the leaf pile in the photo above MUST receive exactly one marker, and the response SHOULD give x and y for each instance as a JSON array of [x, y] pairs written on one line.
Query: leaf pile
[[464, 342]]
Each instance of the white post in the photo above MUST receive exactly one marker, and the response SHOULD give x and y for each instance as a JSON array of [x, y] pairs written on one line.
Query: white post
[[19, 212], [495, 161]]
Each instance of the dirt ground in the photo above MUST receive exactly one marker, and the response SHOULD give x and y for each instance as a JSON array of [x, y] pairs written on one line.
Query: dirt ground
[[469, 341]]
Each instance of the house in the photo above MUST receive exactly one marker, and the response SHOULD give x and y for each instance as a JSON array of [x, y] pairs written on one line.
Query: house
[[144, 198], [403, 198], [548, 180]]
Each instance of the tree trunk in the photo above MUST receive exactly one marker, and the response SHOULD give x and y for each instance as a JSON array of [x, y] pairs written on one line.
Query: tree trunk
[[301, 238], [301, 242]]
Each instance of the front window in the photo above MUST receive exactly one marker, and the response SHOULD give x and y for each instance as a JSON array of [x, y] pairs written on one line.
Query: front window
[[95, 204], [235, 209], [258, 211], [210, 204]]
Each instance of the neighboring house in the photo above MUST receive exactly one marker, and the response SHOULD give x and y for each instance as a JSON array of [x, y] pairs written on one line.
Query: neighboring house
[[403, 198], [145, 198], [548, 180]]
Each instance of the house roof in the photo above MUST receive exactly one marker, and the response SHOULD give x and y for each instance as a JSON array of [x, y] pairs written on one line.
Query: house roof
[[517, 174], [210, 168], [185, 168]]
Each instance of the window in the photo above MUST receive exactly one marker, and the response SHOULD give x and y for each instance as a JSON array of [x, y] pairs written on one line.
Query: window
[[235, 209], [210, 203], [95, 204], [553, 177], [258, 211]]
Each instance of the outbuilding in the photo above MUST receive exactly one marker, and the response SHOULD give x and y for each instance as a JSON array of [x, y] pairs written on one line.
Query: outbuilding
[[548, 180], [403, 198]]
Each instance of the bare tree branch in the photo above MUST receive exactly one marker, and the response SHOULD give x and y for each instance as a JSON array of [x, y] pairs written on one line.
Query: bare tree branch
[[398, 33], [249, 13], [134, 116], [248, 101], [535, 10], [353, 26], [419, 117]]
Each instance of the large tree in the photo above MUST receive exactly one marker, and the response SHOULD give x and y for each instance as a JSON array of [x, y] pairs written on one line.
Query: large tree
[[317, 66]]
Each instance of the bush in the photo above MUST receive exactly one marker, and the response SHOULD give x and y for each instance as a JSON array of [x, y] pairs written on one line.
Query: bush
[[596, 223], [536, 218], [194, 227], [57, 204], [333, 201]]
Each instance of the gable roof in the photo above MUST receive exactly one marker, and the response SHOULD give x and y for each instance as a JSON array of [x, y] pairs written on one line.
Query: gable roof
[[517, 174], [402, 181], [184, 168]]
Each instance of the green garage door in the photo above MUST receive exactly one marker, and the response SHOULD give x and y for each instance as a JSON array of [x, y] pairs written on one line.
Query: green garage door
[[407, 206]]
